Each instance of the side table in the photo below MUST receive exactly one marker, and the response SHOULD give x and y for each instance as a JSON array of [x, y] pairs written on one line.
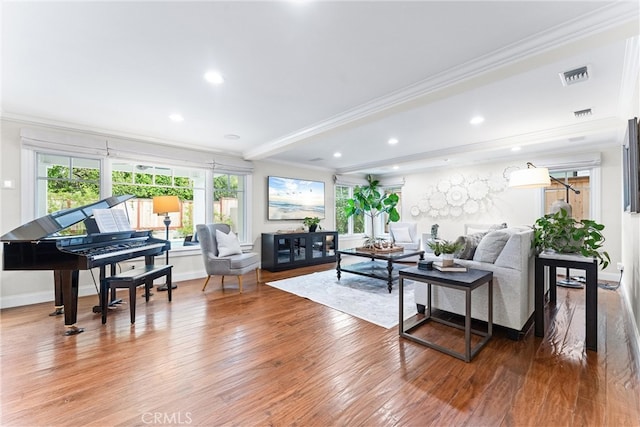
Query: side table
[[464, 281], [552, 261]]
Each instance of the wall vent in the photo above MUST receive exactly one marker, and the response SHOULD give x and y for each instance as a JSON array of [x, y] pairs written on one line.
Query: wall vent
[[582, 113], [577, 75]]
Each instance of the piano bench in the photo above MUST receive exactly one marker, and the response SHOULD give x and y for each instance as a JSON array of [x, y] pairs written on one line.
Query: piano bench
[[132, 279]]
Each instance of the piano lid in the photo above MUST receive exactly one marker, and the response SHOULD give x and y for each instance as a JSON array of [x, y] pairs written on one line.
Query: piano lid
[[50, 224]]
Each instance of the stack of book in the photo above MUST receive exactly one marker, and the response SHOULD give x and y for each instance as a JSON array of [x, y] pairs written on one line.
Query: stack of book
[[455, 267]]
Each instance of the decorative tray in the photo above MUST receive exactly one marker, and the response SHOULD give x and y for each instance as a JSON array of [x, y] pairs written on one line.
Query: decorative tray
[[380, 250]]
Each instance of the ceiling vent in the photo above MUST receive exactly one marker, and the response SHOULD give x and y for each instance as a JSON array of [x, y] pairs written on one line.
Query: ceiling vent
[[575, 76], [582, 113], [317, 159]]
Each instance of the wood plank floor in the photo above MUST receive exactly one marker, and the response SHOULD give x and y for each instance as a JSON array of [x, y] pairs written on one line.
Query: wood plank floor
[[267, 357]]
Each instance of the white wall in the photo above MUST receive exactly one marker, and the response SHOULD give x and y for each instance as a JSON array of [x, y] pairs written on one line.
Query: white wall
[[514, 206], [261, 224], [630, 286]]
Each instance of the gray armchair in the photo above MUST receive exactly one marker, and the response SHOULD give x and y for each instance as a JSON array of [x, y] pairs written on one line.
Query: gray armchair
[[228, 265]]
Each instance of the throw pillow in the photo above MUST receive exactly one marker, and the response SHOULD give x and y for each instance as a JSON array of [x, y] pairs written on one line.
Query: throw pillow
[[491, 245], [228, 244], [470, 242], [402, 235], [483, 228]]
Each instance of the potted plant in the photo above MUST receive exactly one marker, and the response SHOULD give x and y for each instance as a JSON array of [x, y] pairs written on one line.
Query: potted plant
[[311, 223], [371, 201], [446, 248], [561, 233]]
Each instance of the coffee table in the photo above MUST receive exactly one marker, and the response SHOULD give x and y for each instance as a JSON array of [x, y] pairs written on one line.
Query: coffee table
[[380, 264]]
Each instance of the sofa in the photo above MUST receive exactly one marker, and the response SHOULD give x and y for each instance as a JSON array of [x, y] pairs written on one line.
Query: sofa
[[506, 252]]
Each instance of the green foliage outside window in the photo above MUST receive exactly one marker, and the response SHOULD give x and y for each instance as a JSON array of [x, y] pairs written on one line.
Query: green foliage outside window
[[343, 193]]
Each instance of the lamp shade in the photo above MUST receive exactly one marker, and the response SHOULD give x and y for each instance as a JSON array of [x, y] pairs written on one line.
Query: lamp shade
[[530, 178], [165, 204]]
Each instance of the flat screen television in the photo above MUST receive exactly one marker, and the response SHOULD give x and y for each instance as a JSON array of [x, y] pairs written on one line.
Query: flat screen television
[[631, 167], [291, 198]]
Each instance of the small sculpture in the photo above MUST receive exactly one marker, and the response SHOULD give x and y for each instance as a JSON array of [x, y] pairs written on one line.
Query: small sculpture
[[434, 231]]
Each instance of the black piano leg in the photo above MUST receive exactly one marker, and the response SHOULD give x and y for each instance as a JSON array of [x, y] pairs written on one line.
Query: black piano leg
[[70, 296], [57, 290]]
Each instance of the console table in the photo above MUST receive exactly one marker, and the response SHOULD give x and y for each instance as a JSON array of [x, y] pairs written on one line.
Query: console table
[[552, 261], [284, 251]]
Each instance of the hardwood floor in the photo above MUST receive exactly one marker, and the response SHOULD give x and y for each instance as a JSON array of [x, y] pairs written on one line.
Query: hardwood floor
[[267, 357]]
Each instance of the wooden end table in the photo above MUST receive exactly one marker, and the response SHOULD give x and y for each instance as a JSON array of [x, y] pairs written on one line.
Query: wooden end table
[[463, 281], [578, 262]]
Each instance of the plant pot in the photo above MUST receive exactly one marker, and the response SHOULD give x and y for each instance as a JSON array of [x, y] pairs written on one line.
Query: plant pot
[[447, 260], [313, 228]]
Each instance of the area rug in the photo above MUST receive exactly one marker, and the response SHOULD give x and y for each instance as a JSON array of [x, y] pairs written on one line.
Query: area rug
[[358, 296]]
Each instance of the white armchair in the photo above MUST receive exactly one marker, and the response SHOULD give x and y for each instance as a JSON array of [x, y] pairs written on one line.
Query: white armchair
[[224, 262], [405, 234]]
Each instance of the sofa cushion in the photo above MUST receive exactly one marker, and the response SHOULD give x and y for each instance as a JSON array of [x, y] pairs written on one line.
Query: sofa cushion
[[491, 245], [470, 243], [228, 244]]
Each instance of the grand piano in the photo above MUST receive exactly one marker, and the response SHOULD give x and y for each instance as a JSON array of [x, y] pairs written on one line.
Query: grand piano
[[38, 245]]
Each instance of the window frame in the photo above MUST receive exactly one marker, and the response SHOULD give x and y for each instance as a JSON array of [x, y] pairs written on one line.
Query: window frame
[[350, 221], [29, 162]]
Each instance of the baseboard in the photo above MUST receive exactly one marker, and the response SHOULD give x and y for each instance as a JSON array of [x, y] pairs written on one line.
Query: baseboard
[[84, 290], [635, 338]]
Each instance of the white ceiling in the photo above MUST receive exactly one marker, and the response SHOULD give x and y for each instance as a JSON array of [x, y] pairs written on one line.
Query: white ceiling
[[304, 79]]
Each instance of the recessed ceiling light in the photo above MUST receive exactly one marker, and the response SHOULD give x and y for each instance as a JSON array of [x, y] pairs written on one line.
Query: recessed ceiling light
[[337, 154], [476, 120], [214, 77], [393, 141], [516, 148], [395, 167], [232, 136], [176, 117]]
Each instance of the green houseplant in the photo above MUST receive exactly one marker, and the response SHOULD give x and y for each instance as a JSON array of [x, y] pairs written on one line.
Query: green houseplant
[[561, 233], [311, 223], [371, 201], [447, 248]]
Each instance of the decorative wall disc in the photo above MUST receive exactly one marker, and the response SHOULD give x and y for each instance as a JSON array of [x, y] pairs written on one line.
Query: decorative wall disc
[[461, 194]]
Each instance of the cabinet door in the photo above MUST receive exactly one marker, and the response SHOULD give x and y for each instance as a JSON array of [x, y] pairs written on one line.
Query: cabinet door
[[317, 246], [290, 249], [299, 248], [283, 250]]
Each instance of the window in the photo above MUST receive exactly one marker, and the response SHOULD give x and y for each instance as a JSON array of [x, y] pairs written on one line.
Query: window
[[229, 202], [580, 203], [65, 179], [147, 181], [64, 182], [344, 225], [387, 191]]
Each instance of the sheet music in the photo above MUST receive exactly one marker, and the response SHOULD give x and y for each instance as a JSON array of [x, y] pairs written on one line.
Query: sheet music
[[121, 219], [111, 220]]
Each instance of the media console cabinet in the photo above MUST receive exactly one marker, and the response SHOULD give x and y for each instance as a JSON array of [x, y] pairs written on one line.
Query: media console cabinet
[[283, 251]]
